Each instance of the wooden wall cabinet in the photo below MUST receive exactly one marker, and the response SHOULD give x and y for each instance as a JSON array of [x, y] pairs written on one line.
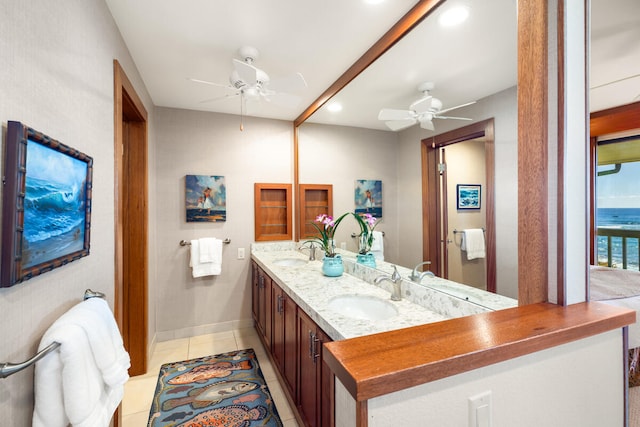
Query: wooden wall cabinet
[[315, 199], [272, 212]]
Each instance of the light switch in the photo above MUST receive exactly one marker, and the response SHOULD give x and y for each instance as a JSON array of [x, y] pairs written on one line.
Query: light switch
[[480, 410], [240, 253]]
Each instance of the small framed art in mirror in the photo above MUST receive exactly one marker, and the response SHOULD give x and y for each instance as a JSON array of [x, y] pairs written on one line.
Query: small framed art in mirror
[[468, 196], [46, 204]]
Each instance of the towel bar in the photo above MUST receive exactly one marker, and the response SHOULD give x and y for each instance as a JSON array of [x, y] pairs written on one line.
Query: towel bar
[[187, 243], [7, 368], [460, 231], [354, 235]]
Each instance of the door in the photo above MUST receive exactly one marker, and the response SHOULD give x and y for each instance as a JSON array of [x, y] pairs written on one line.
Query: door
[[462, 179], [440, 244], [131, 193]]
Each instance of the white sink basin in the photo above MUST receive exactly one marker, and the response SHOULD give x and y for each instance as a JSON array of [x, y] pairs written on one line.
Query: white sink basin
[[363, 307], [290, 262]]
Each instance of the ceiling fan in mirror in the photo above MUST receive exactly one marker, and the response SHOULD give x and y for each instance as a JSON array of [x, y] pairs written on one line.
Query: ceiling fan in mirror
[[251, 84], [422, 111]]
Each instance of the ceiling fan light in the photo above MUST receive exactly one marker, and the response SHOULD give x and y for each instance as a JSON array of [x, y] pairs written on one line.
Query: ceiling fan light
[[454, 16]]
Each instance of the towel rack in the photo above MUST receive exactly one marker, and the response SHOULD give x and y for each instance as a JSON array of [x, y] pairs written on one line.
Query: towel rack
[[7, 368], [354, 235], [186, 243], [461, 231]]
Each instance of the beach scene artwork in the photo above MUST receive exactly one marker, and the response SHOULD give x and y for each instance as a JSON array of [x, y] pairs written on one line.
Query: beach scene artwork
[[206, 198], [368, 197], [55, 205], [468, 196]]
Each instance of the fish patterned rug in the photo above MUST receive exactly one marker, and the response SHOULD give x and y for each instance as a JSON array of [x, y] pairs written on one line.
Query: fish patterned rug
[[223, 390]]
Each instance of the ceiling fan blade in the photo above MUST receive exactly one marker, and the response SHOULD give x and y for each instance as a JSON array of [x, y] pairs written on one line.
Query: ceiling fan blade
[[211, 83], [449, 117], [281, 99], [391, 114], [219, 98], [456, 107], [427, 124], [248, 73], [396, 125], [421, 105], [293, 83]]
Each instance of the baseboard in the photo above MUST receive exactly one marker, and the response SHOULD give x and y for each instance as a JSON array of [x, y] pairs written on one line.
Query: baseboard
[[212, 328]]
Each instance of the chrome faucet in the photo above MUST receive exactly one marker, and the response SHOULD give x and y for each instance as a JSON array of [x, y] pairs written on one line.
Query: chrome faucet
[[312, 250], [396, 279], [418, 277]]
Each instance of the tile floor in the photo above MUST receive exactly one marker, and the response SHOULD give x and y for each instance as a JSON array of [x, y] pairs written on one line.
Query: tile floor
[[139, 390]]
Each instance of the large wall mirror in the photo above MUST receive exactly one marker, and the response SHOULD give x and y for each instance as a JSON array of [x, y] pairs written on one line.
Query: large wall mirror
[[475, 61]]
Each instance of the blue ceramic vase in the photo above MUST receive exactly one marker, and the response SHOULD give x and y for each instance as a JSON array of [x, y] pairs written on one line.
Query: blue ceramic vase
[[366, 259], [332, 266]]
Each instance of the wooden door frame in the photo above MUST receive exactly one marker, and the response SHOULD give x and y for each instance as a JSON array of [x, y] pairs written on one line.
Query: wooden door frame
[[432, 235], [131, 300], [605, 122]]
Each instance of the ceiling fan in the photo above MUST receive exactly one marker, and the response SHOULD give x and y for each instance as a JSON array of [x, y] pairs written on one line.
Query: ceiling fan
[[250, 83], [422, 111]]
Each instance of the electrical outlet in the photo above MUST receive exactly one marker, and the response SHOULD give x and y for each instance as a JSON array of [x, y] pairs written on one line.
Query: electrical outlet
[[343, 245], [240, 253], [480, 410]]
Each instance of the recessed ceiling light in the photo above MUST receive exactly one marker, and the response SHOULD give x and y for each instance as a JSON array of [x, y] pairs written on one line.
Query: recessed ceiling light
[[334, 107], [454, 16]]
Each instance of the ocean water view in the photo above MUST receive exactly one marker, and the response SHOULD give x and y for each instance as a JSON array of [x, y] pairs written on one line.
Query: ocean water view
[[621, 219]]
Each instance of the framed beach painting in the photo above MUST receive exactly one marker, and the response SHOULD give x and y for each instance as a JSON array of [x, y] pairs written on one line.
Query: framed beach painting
[[469, 196], [206, 198], [368, 197], [46, 204]]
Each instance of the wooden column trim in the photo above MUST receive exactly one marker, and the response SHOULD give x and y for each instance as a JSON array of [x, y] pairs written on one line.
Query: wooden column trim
[[533, 203]]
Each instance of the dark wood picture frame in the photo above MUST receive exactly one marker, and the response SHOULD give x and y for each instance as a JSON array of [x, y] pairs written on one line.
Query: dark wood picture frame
[[46, 204]]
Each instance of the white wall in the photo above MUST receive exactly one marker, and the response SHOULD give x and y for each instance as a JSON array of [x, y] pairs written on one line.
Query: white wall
[[503, 108], [200, 143], [340, 155], [57, 77], [589, 394]]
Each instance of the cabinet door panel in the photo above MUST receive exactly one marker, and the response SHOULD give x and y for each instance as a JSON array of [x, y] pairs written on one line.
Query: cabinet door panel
[[277, 333], [308, 385], [290, 344]]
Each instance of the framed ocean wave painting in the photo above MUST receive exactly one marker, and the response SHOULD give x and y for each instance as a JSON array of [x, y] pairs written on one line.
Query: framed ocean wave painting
[[46, 204]]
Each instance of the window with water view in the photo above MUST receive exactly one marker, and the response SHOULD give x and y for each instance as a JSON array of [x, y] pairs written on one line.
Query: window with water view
[[618, 203]]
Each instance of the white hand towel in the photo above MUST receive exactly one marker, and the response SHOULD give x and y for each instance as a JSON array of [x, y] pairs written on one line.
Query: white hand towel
[[377, 246], [207, 249], [214, 249], [82, 382], [473, 243]]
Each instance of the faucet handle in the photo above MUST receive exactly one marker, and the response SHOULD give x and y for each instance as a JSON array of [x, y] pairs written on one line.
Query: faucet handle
[[395, 276]]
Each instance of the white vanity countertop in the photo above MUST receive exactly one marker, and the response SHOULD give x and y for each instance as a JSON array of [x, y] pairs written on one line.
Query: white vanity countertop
[[312, 291]]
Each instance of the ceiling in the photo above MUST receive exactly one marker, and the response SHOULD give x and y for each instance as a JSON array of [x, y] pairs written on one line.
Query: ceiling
[[172, 42]]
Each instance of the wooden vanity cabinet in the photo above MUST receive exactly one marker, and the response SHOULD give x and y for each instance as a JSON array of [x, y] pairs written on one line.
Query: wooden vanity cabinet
[[315, 381], [294, 342], [261, 303], [283, 338]]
